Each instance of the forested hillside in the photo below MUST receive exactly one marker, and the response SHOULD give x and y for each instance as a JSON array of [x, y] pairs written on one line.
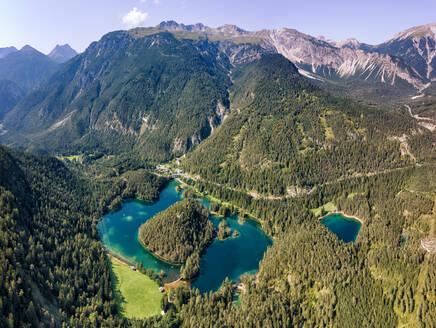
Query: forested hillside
[[285, 136], [289, 148], [54, 269], [153, 94], [310, 277]]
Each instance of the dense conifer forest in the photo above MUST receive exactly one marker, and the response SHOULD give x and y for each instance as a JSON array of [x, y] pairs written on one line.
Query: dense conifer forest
[[178, 232], [54, 268]]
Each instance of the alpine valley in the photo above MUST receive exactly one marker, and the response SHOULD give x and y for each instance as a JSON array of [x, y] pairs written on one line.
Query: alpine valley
[[270, 132]]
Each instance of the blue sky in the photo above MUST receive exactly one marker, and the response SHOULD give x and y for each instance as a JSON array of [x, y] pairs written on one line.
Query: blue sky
[[45, 23]]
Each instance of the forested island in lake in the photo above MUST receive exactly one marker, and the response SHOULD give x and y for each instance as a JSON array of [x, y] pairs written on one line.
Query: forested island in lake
[[179, 235]]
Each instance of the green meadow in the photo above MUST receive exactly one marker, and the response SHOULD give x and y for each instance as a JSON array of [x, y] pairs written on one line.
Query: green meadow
[[328, 207], [136, 294]]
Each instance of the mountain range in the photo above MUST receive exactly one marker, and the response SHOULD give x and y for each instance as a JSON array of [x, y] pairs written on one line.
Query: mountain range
[[6, 51], [127, 90], [134, 88], [403, 64], [26, 67], [23, 70]]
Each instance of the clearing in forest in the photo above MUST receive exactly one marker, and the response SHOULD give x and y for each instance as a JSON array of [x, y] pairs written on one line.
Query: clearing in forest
[[136, 294]]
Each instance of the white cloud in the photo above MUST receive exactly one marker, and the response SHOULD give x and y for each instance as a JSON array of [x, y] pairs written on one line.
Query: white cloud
[[134, 17], [143, 1], [156, 2]]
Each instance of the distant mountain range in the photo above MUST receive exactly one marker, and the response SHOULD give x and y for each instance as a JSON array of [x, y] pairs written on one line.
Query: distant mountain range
[[401, 67], [23, 70], [138, 89], [60, 53], [26, 67]]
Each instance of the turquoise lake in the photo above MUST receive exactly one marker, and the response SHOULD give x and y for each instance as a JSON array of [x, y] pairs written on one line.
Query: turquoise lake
[[229, 258], [345, 228], [404, 236]]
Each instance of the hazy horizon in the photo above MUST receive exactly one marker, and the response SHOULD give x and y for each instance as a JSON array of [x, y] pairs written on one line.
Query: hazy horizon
[[43, 25]]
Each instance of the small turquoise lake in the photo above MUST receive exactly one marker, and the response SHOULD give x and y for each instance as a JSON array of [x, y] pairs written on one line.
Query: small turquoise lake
[[345, 228], [404, 236], [229, 258]]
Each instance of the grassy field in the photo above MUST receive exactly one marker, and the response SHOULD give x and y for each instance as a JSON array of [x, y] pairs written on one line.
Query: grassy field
[[136, 294], [328, 207], [75, 158]]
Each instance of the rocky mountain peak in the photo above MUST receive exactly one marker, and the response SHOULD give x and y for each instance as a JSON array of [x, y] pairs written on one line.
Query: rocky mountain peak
[[417, 32], [318, 58], [174, 26], [349, 43], [227, 30], [62, 53], [232, 30], [28, 49], [170, 26], [417, 47]]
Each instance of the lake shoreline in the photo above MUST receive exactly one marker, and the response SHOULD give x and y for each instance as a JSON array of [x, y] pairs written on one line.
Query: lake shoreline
[[344, 215], [116, 259], [122, 262], [157, 256], [213, 199]]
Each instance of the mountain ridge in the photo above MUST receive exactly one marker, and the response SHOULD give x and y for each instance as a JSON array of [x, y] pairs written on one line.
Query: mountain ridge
[[26, 67], [82, 104], [416, 46], [129, 88], [329, 62], [6, 51]]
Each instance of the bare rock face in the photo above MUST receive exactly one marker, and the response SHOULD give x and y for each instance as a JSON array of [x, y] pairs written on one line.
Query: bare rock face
[[181, 145], [348, 43], [409, 58], [322, 59], [416, 47], [226, 30], [242, 53]]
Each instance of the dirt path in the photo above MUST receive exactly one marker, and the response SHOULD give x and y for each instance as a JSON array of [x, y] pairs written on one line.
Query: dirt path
[[291, 194], [417, 117], [429, 243], [425, 122], [116, 259]]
